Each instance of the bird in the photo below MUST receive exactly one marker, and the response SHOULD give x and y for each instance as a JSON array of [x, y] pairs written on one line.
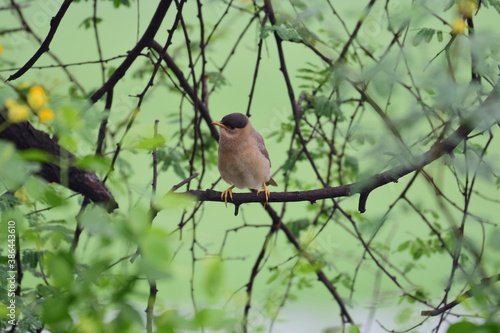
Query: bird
[[243, 160]]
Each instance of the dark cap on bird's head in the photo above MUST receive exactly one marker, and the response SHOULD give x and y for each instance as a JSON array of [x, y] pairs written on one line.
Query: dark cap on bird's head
[[232, 121]]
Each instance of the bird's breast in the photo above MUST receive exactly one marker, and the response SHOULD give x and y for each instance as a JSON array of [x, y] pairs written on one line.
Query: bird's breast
[[243, 165]]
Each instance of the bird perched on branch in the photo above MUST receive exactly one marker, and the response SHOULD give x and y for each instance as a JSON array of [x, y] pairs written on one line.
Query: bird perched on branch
[[243, 159]]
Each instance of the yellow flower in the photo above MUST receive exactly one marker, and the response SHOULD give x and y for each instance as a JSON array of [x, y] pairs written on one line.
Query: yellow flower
[[17, 113], [22, 194], [45, 115], [467, 7], [37, 98], [9, 102], [458, 26]]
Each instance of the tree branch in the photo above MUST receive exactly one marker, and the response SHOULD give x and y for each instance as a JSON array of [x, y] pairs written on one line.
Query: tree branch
[[183, 82], [364, 187], [255, 270], [469, 293], [25, 136], [44, 47], [277, 223], [146, 38]]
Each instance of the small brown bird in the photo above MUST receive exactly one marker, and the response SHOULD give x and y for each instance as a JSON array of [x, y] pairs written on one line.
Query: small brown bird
[[243, 159]]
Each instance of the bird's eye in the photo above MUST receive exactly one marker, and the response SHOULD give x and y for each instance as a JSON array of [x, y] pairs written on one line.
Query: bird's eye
[[231, 127]]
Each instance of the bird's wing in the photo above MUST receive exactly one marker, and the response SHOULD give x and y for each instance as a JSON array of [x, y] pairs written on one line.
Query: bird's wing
[[262, 147], [260, 144]]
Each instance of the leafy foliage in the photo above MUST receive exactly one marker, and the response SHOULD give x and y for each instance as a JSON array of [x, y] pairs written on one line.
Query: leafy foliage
[[426, 35]]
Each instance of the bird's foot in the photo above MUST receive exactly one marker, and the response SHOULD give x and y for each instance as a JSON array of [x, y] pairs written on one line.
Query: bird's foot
[[266, 192], [223, 195]]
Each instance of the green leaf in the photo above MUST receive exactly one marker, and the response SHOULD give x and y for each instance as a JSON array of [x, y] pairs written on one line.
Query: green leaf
[[155, 254], [118, 3], [273, 277], [404, 315], [94, 163], [214, 319], [214, 277], [172, 157], [96, 221], [298, 225], [126, 318], [14, 170], [60, 266], [323, 106], [170, 321], [89, 22], [495, 4], [449, 5], [403, 246], [48, 194], [352, 163], [31, 258], [35, 155], [286, 32], [354, 329], [151, 143], [429, 34], [110, 71], [424, 34], [265, 31], [56, 313], [439, 35], [299, 4], [409, 266], [462, 327], [174, 201], [216, 79], [52, 198]]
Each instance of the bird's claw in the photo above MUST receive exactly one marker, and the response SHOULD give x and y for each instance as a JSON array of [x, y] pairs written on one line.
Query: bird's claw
[[266, 192], [223, 195]]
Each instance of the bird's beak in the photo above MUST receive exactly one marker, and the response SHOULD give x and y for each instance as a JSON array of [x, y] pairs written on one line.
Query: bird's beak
[[218, 123]]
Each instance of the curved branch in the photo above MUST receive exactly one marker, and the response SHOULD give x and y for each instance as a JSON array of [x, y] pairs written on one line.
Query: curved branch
[[44, 47]]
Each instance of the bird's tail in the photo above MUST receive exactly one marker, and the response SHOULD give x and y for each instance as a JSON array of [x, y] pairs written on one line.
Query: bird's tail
[[272, 182]]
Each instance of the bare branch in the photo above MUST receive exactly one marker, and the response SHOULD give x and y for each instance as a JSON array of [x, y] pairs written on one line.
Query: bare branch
[[44, 47], [187, 87], [146, 38]]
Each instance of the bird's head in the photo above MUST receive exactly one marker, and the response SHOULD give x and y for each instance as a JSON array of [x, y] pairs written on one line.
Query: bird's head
[[234, 125]]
